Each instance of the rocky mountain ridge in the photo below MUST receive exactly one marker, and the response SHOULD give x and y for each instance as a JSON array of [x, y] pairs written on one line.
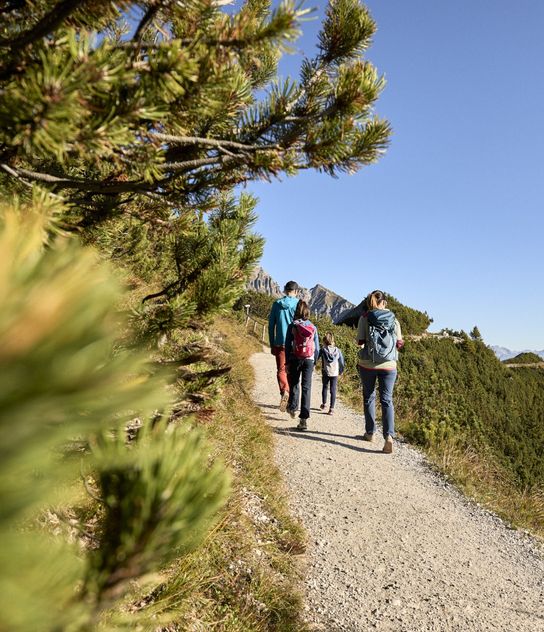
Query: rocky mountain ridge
[[321, 300]]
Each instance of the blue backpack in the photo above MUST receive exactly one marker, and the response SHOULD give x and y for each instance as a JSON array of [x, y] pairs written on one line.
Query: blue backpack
[[381, 342]]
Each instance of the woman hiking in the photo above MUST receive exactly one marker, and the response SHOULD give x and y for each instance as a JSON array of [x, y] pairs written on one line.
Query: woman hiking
[[380, 337]]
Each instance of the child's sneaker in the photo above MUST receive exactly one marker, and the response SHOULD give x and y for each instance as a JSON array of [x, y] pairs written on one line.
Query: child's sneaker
[[283, 401]]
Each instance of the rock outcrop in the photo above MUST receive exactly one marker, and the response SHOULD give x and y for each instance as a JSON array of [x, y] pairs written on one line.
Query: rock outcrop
[[326, 302], [321, 300], [261, 281]]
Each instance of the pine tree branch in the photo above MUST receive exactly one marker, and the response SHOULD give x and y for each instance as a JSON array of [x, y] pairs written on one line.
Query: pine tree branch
[[189, 165], [13, 173], [93, 186], [163, 292], [146, 19], [45, 26], [212, 142]]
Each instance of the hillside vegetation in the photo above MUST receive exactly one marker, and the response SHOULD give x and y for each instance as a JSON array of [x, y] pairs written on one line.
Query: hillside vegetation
[[481, 422], [526, 357]]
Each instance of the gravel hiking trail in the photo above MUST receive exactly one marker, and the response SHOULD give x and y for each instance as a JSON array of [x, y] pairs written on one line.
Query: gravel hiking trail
[[391, 545]]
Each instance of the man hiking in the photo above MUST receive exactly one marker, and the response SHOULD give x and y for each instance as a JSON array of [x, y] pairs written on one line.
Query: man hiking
[[280, 317]]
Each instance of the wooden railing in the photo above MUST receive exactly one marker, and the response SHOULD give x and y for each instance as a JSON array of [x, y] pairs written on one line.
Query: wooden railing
[[257, 328]]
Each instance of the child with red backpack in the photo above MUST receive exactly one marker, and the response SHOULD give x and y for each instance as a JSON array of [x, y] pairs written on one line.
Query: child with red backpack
[[302, 350]]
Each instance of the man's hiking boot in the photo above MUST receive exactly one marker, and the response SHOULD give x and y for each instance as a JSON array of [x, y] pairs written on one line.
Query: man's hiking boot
[[368, 437], [388, 445], [292, 413], [302, 425], [283, 402]]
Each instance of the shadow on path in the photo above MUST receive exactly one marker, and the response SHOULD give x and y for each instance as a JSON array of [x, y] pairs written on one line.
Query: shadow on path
[[315, 409], [311, 435], [261, 405]]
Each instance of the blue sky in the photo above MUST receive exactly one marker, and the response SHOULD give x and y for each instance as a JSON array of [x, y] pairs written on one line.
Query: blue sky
[[450, 220]]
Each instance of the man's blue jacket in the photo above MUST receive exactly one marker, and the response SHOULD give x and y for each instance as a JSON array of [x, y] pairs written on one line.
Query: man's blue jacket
[[281, 316]]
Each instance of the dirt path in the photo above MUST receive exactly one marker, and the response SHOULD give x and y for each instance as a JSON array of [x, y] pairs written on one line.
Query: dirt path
[[391, 545]]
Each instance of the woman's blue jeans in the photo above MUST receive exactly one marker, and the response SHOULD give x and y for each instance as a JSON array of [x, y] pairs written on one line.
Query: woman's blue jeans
[[386, 382], [300, 369]]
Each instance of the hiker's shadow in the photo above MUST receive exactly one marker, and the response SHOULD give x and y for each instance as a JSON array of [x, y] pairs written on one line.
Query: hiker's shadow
[[275, 407], [312, 435], [260, 405]]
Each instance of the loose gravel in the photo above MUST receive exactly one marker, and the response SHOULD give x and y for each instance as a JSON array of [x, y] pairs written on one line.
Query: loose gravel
[[392, 546]]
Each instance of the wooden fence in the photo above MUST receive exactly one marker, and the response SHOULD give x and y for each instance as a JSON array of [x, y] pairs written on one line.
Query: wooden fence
[[258, 328]]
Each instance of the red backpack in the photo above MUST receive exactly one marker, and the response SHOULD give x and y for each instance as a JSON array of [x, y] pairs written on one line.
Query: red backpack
[[303, 345]]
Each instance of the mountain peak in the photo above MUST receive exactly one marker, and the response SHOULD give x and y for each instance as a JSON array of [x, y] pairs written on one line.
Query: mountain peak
[[320, 299]]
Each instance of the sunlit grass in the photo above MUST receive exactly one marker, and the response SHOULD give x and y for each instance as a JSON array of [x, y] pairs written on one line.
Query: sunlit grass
[[247, 574]]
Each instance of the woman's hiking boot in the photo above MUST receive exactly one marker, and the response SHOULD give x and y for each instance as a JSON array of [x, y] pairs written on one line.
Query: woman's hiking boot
[[331, 411], [388, 445], [322, 407], [302, 425], [368, 437], [283, 401]]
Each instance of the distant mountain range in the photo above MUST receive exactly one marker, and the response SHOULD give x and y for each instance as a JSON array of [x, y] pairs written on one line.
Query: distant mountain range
[[505, 354], [321, 300], [325, 302]]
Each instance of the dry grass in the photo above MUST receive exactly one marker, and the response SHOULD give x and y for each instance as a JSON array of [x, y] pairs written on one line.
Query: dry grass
[[247, 574], [482, 479]]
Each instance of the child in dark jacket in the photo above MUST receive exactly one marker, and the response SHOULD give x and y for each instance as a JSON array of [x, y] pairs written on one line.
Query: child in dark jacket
[[332, 366]]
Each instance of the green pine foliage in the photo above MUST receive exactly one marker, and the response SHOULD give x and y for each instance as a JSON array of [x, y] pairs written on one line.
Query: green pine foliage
[[159, 498], [128, 125], [156, 119], [526, 357], [198, 263], [462, 392], [67, 397]]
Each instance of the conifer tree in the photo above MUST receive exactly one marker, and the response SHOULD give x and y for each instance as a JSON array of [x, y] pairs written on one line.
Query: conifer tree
[[154, 118], [64, 404], [129, 124]]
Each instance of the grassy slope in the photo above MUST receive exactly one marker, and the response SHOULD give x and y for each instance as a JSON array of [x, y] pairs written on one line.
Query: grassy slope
[[246, 575]]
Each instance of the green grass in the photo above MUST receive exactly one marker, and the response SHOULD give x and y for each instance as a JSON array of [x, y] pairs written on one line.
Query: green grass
[[247, 574]]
